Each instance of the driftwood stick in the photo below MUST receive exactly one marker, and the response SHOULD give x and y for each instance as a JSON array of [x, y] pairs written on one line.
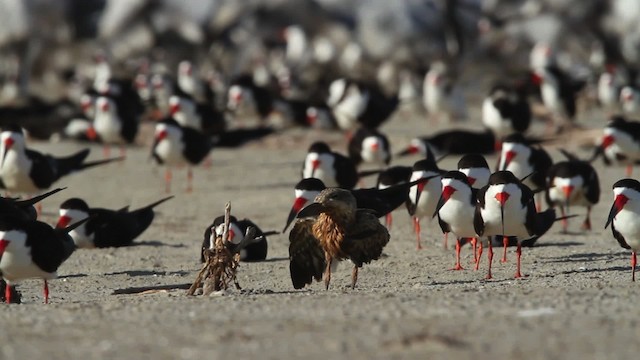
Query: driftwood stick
[[227, 220]]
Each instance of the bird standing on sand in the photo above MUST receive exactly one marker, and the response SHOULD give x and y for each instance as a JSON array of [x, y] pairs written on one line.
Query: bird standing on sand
[[24, 170], [105, 227], [332, 229], [623, 217]]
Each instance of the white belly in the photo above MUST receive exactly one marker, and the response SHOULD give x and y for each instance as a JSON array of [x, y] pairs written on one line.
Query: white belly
[[626, 223]]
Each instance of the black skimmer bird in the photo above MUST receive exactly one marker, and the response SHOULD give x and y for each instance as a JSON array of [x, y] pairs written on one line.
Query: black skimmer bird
[[32, 249], [246, 98], [440, 97], [199, 116], [620, 142], [330, 229], [623, 217], [369, 146], [453, 142], [253, 251], [190, 84], [321, 117], [305, 191], [23, 170], [475, 167], [105, 227], [423, 197], [572, 183], [559, 93], [175, 145], [630, 100], [525, 161], [335, 170], [608, 91], [505, 208], [348, 101], [111, 126], [506, 111], [456, 208]]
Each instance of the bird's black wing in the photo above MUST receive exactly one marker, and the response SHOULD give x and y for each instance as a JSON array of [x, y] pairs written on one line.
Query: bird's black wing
[[112, 228], [365, 239], [43, 171], [306, 257], [197, 145], [347, 176], [48, 248], [619, 237], [592, 185], [478, 221], [543, 162]]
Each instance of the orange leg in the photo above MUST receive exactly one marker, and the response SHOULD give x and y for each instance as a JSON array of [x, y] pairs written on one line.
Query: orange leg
[[474, 244], [458, 265], [565, 222], [479, 256], [586, 225], [189, 180], [633, 267], [490, 257], [7, 294], [446, 241], [505, 245], [106, 151], [629, 170], [416, 228], [389, 221], [46, 292], [519, 253]]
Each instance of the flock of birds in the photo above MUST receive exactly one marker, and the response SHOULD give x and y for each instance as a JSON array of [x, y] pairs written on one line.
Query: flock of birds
[[333, 219]]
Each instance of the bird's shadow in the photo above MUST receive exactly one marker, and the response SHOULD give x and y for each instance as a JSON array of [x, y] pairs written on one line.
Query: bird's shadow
[[156, 243], [590, 256], [70, 276], [558, 244], [595, 270], [147, 273], [275, 259]]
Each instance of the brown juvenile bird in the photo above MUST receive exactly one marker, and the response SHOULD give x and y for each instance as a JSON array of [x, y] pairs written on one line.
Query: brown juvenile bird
[[332, 229]]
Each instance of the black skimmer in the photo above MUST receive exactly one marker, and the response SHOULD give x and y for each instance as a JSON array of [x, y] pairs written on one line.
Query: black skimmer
[[456, 208], [423, 197], [321, 117], [105, 227], [24, 170], [505, 208], [111, 126], [190, 84], [199, 116], [475, 167], [506, 111], [525, 161], [572, 182], [608, 91], [32, 249], [453, 142], [369, 146], [253, 251], [330, 229], [630, 100], [175, 145], [245, 97], [623, 217], [620, 142], [348, 101], [335, 170], [559, 93], [439, 96]]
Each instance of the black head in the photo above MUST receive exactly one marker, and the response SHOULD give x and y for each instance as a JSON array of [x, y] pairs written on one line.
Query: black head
[[319, 147], [12, 128], [627, 183], [310, 184], [425, 165], [503, 177], [455, 174], [472, 161], [516, 138], [75, 204]]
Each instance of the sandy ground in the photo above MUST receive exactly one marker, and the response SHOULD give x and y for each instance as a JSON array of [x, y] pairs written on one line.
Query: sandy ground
[[577, 302]]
